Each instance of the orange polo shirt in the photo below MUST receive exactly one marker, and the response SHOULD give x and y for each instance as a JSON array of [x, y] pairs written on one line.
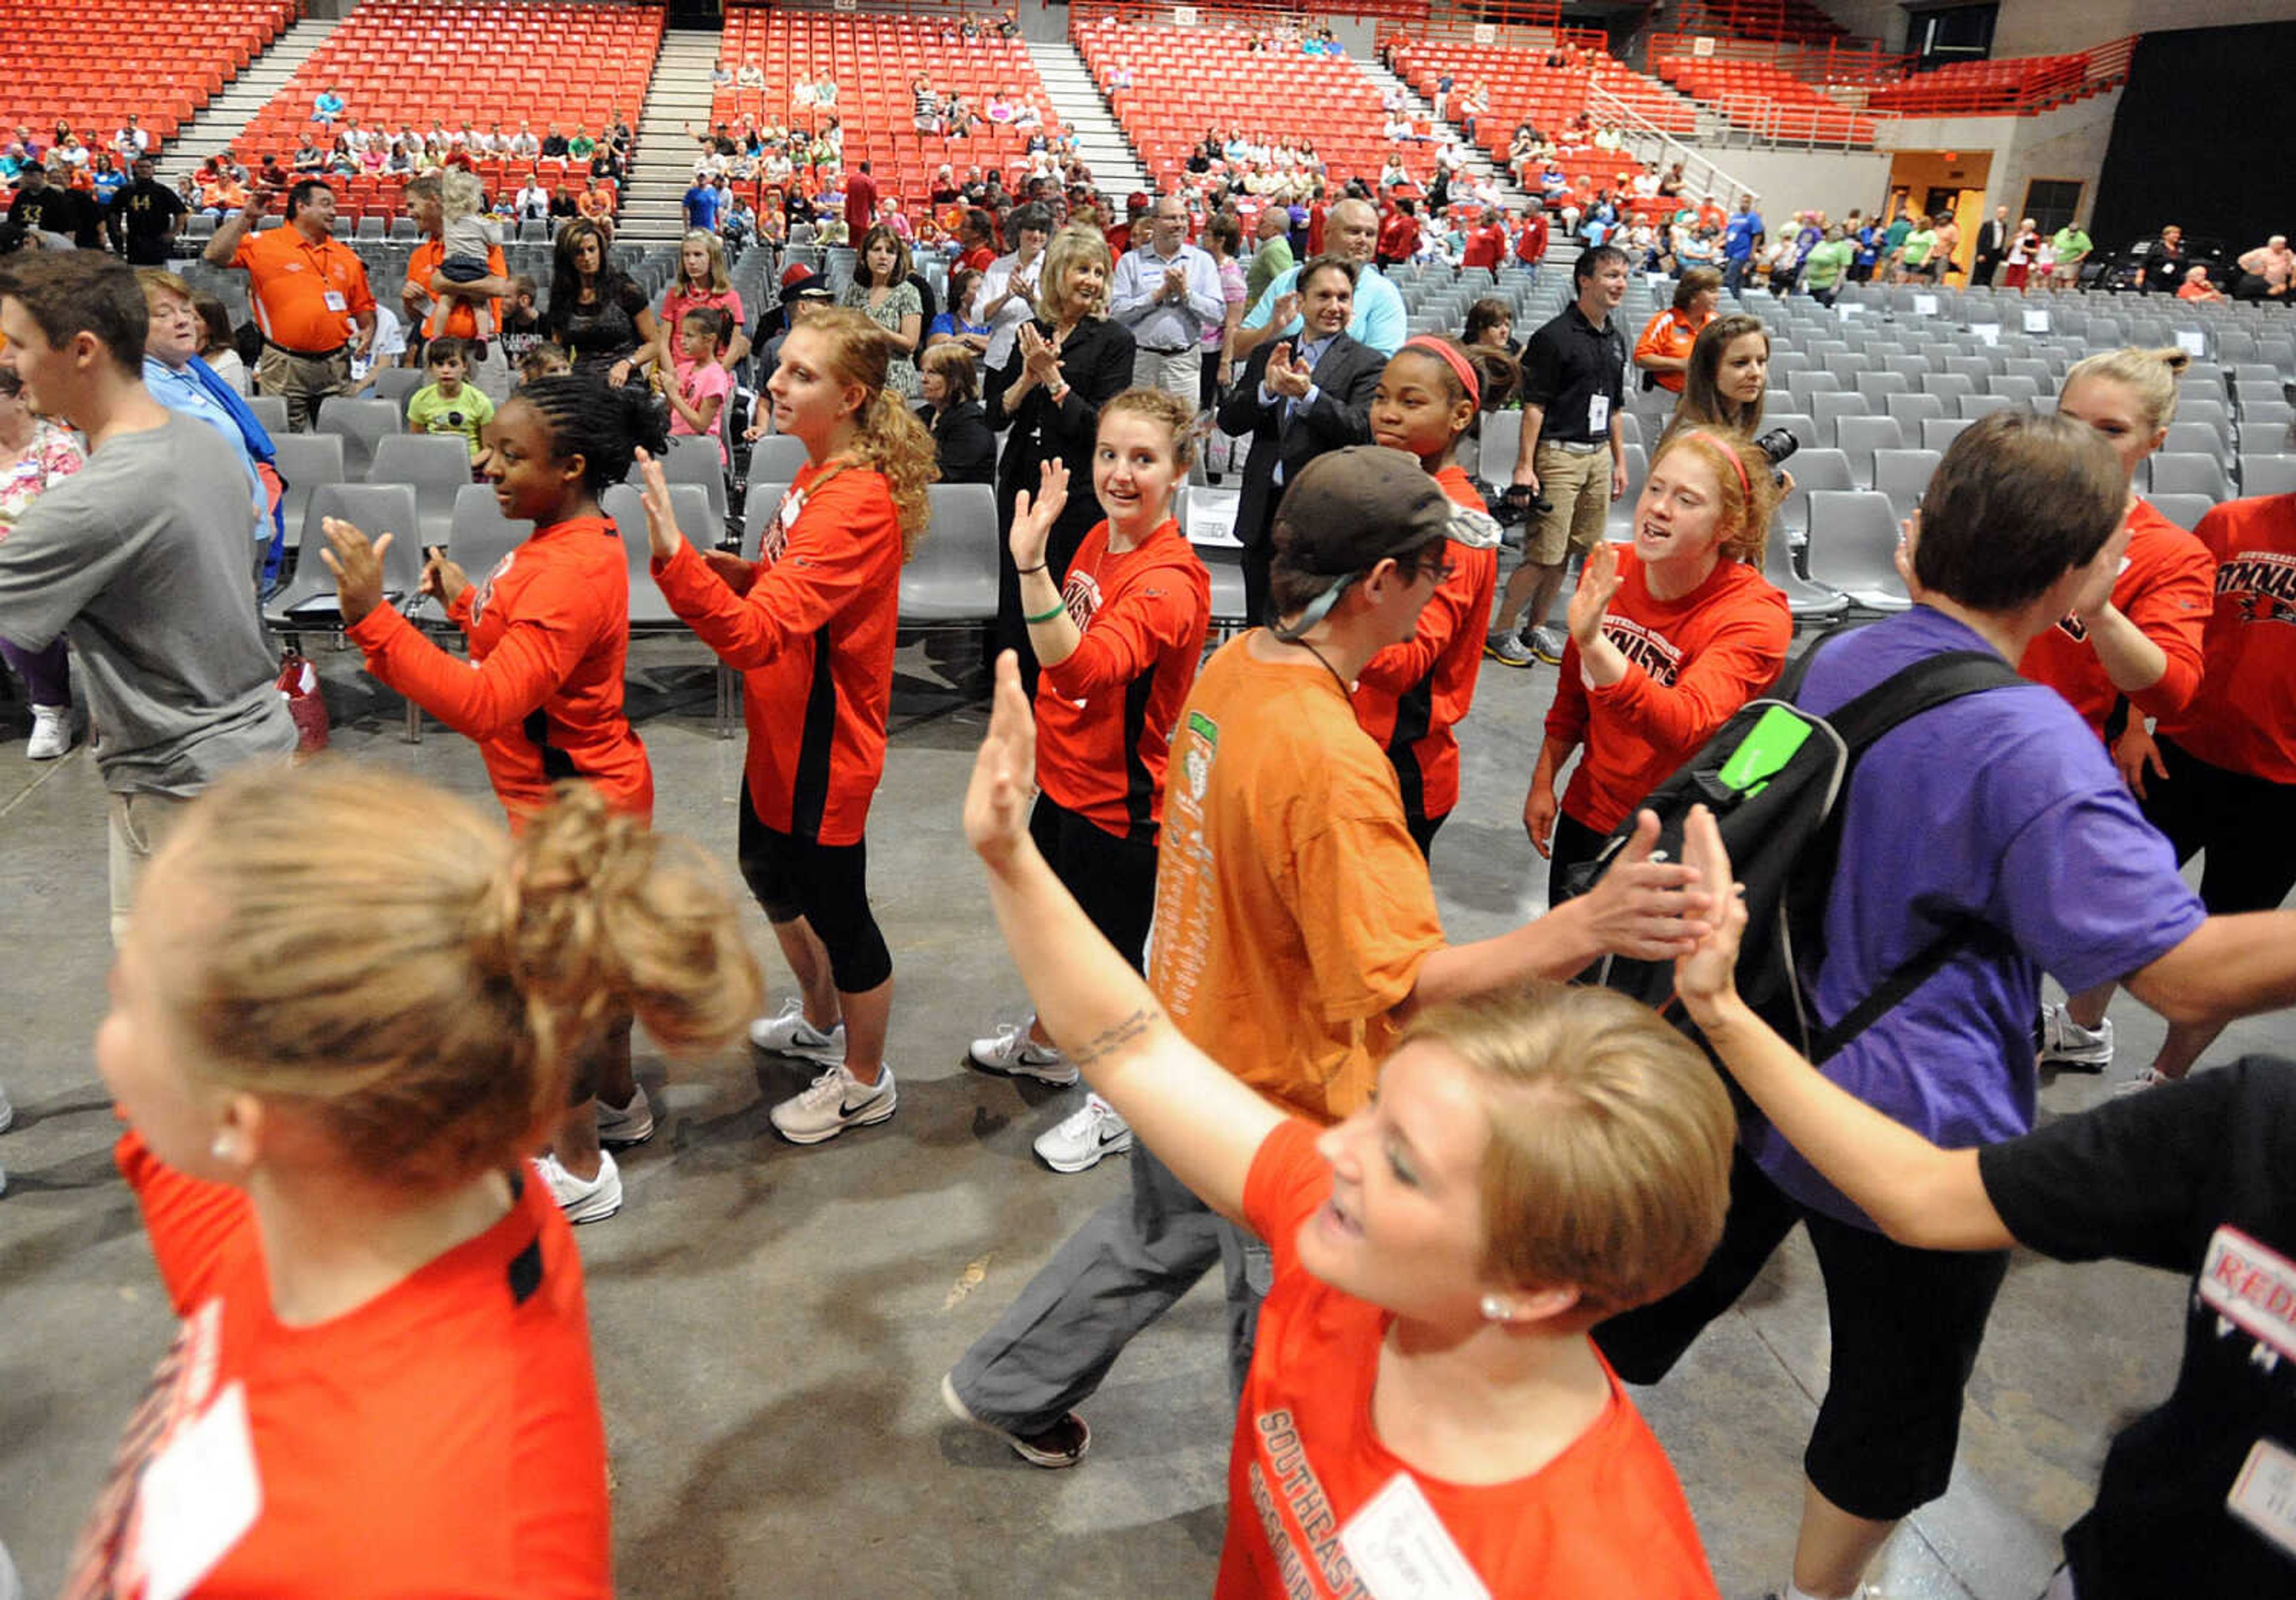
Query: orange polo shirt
[[307, 297], [422, 266]]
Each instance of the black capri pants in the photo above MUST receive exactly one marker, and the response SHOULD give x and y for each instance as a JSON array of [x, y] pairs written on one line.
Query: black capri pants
[[1113, 879], [827, 885], [2246, 824], [1905, 1327]]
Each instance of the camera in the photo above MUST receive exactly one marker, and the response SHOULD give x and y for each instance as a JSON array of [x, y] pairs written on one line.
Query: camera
[[1522, 499], [1776, 445]]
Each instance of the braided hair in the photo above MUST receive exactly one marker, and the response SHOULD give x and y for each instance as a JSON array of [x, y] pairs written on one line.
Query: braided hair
[[605, 426]]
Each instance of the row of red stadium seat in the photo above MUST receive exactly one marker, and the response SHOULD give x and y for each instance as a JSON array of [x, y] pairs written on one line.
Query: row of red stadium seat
[[161, 60]]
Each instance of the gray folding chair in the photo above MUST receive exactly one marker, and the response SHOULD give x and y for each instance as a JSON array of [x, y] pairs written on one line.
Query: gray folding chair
[[2186, 510], [363, 425], [777, 457], [1860, 437], [953, 578], [1974, 407], [693, 459], [2018, 388], [1938, 432], [1803, 428], [398, 385], [1828, 410], [1853, 546], [1876, 386], [2190, 475], [1619, 523], [625, 506], [437, 467], [1502, 438], [480, 536], [1913, 410], [271, 410], [1808, 601], [2267, 475], [1904, 476], [304, 461], [375, 509], [1810, 470], [1949, 387]]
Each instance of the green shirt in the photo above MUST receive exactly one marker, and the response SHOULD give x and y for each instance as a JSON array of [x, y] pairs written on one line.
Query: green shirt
[[1895, 233], [2071, 244], [1823, 267], [1270, 262], [581, 145], [1917, 246], [430, 412]]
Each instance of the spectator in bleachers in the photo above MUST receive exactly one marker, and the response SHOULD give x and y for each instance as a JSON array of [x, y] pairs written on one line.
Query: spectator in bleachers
[[563, 206], [554, 143], [2070, 248], [327, 105], [1947, 245], [1571, 452], [1663, 350], [177, 672], [310, 296], [597, 205], [523, 146], [701, 281], [34, 452], [964, 444], [1743, 238], [1491, 325], [882, 292], [1006, 289], [1825, 268], [1352, 230], [533, 202], [132, 140], [2197, 287], [1726, 381], [2025, 247], [1271, 255], [1296, 401], [976, 239], [2268, 273], [143, 217], [220, 346], [601, 316], [46, 208], [449, 404], [697, 387], [955, 325], [1167, 293], [1062, 367]]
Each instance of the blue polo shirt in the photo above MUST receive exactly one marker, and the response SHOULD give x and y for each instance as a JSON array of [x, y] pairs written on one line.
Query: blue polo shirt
[[1738, 235]]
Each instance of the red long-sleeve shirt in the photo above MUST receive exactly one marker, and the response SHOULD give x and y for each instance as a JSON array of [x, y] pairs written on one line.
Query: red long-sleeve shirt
[[813, 640], [2166, 587], [1531, 241], [549, 631], [1690, 663], [2243, 720], [1105, 715], [1410, 697], [1486, 246]]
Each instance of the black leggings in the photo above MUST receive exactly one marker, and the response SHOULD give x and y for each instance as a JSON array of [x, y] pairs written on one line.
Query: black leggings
[[827, 885], [1572, 844], [1905, 1327], [2245, 824], [1113, 879]]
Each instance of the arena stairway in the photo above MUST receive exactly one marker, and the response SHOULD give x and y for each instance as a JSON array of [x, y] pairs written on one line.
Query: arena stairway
[[1479, 164], [678, 100], [1077, 103], [220, 122]]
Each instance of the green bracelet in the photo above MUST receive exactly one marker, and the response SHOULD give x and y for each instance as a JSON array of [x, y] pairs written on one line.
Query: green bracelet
[[1059, 611]]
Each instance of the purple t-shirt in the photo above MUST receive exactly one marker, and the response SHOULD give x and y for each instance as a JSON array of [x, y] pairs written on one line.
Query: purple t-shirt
[[2002, 809]]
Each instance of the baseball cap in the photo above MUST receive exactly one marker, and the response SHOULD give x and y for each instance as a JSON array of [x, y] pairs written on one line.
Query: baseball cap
[[1348, 509], [801, 282]]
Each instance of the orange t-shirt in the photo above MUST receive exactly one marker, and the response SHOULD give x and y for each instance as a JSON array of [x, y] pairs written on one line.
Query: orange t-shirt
[[1606, 1520], [462, 319], [1409, 697], [1104, 716], [1670, 335], [542, 691], [306, 296], [2243, 720], [813, 640], [1292, 909], [443, 1439], [1690, 664], [2164, 587]]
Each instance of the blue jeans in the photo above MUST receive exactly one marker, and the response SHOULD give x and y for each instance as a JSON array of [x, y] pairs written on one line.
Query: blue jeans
[[1735, 273]]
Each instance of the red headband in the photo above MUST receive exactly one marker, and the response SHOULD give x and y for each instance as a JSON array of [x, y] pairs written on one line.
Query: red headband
[[1728, 455], [1451, 358]]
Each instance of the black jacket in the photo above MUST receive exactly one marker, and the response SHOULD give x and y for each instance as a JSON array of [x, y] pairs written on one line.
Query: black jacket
[[1097, 363], [1339, 416], [962, 443]]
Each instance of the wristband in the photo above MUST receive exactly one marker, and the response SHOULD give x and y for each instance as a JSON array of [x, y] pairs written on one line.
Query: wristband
[[1058, 611], [1024, 572]]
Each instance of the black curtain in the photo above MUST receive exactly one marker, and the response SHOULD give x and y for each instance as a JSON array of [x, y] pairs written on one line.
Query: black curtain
[[2194, 144]]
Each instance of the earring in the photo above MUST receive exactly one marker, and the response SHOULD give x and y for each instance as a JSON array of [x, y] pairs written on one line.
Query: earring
[[1495, 1309], [222, 1150]]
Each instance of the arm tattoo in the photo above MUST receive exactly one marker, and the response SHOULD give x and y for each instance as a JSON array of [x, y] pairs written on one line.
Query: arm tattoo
[[1110, 1041]]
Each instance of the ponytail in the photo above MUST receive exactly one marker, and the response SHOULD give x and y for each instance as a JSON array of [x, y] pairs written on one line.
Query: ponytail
[[892, 442]]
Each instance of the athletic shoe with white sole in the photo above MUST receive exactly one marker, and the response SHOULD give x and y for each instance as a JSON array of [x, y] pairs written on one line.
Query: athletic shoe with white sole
[[619, 1127], [2147, 1079], [790, 1034], [1063, 1444], [2065, 1043], [51, 733], [1508, 650], [834, 1102], [583, 1200], [1079, 1141], [1013, 1052]]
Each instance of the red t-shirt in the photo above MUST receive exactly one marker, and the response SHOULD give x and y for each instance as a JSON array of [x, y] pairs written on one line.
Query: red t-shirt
[[677, 301], [1316, 215], [1399, 237], [860, 204], [2243, 720], [2164, 587], [813, 640], [542, 691], [1690, 663], [442, 1439], [1409, 697], [1105, 715], [1606, 1520], [1530, 243], [1486, 246]]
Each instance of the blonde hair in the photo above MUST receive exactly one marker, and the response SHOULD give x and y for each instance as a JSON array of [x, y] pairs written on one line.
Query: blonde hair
[[1177, 416], [720, 280], [1609, 1162], [1748, 487], [157, 280], [460, 192], [2151, 375], [889, 438], [1068, 246], [384, 956]]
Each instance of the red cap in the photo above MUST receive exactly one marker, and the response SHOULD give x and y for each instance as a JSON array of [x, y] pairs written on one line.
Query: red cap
[[792, 274]]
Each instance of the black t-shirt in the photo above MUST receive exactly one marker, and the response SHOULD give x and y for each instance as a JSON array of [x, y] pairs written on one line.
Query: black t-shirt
[[1566, 364], [143, 211], [601, 333], [2195, 1178], [56, 210]]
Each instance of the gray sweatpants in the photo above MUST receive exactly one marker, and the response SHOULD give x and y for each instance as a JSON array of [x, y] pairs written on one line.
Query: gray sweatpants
[[1119, 1272]]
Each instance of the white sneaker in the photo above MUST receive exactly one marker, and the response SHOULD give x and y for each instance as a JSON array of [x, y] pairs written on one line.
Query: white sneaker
[[7, 1111], [790, 1034], [1546, 643], [1508, 649], [621, 1127], [2065, 1043], [583, 1200], [51, 733], [1079, 1141], [834, 1102], [1015, 1054]]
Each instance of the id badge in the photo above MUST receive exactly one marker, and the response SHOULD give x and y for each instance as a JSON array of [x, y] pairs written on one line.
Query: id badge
[[198, 1499], [1598, 414], [336, 302], [1402, 1550], [2264, 1494]]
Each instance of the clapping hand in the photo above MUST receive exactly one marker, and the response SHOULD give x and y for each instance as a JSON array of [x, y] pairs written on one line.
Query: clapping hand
[[1287, 374], [357, 566], [1033, 519], [1646, 909], [1041, 357], [442, 579], [1286, 310], [1003, 784], [1598, 585], [1707, 973], [662, 535]]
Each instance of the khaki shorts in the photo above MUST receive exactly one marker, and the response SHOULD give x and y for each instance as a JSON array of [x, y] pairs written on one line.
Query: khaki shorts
[[303, 381], [140, 823], [1578, 487]]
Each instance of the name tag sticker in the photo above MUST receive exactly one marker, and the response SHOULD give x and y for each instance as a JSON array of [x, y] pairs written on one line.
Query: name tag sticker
[[2264, 1494], [1402, 1550], [2037, 321], [1598, 414], [197, 1498], [336, 302], [2252, 1288]]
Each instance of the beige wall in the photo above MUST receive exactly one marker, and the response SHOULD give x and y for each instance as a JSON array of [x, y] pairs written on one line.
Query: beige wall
[[1833, 182], [2052, 26], [2067, 142]]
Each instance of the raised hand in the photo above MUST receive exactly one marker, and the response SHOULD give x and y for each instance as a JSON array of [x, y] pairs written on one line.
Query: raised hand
[[1003, 784], [1646, 909], [1707, 974], [1590, 601], [357, 566], [1033, 518], [1286, 309], [662, 535]]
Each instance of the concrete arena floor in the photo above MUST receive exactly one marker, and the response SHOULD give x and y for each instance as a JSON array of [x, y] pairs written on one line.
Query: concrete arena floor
[[771, 1323]]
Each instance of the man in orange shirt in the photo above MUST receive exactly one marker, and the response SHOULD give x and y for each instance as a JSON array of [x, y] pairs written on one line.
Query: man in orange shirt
[[310, 298], [490, 372]]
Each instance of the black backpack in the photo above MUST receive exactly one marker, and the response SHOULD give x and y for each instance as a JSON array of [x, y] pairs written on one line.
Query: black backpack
[[1774, 776]]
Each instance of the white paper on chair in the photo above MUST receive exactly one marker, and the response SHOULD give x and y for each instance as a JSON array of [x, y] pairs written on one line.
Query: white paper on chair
[[2193, 342], [2037, 321], [1211, 519], [1925, 305], [1848, 311], [1987, 333]]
